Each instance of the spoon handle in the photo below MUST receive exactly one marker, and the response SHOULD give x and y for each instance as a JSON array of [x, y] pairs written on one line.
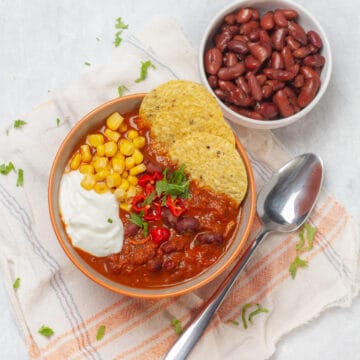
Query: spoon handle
[[191, 335]]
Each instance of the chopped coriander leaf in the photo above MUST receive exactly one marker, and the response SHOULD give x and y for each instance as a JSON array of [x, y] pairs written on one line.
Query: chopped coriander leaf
[[46, 331], [118, 38], [121, 89], [149, 199], [177, 326], [234, 322], [109, 220], [100, 332], [259, 310], [297, 263], [87, 63], [20, 178], [300, 244], [19, 123], [178, 185], [16, 283], [144, 70], [120, 24], [310, 235], [57, 121], [5, 169], [243, 315], [136, 219]]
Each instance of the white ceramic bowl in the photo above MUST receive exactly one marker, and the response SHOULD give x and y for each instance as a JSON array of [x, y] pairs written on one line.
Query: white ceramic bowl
[[306, 20]]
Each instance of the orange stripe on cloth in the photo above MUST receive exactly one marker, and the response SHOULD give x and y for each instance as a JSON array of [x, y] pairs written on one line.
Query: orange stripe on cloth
[[33, 349], [160, 347]]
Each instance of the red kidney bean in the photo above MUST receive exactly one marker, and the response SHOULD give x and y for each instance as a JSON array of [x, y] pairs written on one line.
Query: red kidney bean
[[292, 43], [230, 19], [261, 78], [222, 41], [230, 73], [168, 218], [292, 98], [295, 69], [238, 97], [299, 81], [210, 238], [243, 85], [301, 52], [226, 85], [267, 21], [248, 27], [275, 84], [258, 51], [282, 101], [267, 91], [280, 19], [268, 110], [213, 81], [187, 224], [244, 15], [230, 59], [220, 94], [314, 60], [309, 73], [131, 229], [234, 29], [315, 39], [277, 60], [282, 75], [238, 46], [264, 37], [213, 60], [313, 49], [255, 14], [278, 38], [154, 264], [254, 86], [248, 113], [290, 14], [251, 63], [297, 32], [254, 35], [242, 38], [169, 265], [308, 92], [288, 58]]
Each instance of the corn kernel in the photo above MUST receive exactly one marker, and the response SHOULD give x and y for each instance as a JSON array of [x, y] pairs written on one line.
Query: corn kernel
[[114, 121], [86, 169], [123, 127], [95, 139], [124, 184], [139, 142], [88, 182], [138, 169], [126, 147], [129, 163], [131, 192], [133, 180], [138, 156], [118, 165], [125, 206], [85, 153], [101, 188], [100, 150], [101, 163], [75, 161], [120, 194], [101, 175], [119, 155], [110, 148], [125, 174], [112, 135], [113, 180], [132, 134]]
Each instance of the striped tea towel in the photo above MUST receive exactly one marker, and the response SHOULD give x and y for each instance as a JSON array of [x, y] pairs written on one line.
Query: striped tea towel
[[54, 293]]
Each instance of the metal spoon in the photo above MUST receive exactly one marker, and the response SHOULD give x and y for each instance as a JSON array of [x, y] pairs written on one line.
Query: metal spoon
[[283, 205]]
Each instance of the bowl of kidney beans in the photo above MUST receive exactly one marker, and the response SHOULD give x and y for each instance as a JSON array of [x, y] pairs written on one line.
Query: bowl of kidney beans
[[267, 62]]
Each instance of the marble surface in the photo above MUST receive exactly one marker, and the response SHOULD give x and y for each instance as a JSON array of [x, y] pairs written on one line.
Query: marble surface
[[44, 45]]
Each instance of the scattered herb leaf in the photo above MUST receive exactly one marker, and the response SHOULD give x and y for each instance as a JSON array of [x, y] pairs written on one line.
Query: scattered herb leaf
[[243, 315], [144, 70], [310, 234], [301, 243], [5, 169], [87, 63], [297, 263], [234, 322], [259, 310], [178, 185], [118, 38], [120, 24], [16, 283], [177, 326], [57, 121], [149, 199], [137, 219], [20, 178], [19, 123], [109, 220], [46, 331], [100, 332], [121, 89]]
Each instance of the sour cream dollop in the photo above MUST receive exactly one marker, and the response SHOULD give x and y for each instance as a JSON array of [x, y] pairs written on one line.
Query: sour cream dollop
[[91, 220]]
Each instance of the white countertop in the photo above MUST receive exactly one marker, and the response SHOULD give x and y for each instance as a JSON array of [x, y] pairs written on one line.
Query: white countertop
[[44, 45]]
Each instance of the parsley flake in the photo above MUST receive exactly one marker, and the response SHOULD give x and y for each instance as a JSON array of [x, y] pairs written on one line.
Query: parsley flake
[[120, 24], [57, 121], [118, 38], [19, 123], [243, 315], [5, 169], [297, 263], [233, 321], [20, 178], [100, 332], [259, 310], [301, 243], [176, 324], [16, 283], [109, 220], [310, 234], [87, 63], [46, 331], [144, 70], [121, 89]]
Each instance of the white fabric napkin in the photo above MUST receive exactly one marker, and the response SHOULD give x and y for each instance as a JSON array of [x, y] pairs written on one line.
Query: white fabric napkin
[[54, 293]]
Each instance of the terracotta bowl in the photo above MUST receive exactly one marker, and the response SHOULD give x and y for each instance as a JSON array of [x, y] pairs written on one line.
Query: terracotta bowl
[[94, 120]]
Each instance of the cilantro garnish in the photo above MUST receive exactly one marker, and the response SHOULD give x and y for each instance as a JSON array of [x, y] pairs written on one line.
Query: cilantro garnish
[[297, 263], [300, 244], [46, 331], [259, 310], [120, 24], [234, 322], [100, 332], [177, 326], [109, 220], [137, 219], [310, 234], [19, 123], [121, 89], [149, 199], [144, 70], [57, 121], [87, 63], [20, 178], [16, 283], [243, 315], [5, 169], [178, 185]]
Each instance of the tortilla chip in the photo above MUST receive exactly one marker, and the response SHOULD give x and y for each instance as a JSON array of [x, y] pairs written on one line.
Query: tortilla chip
[[179, 108], [212, 162]]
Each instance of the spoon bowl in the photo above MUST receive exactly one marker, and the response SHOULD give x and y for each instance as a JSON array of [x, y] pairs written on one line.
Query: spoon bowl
[[283, 205]]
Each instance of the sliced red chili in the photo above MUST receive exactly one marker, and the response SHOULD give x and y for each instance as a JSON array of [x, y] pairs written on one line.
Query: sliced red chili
[[146, 179], [149, 188], [137, 203], [159, 234], [152, 211], [176, 206]]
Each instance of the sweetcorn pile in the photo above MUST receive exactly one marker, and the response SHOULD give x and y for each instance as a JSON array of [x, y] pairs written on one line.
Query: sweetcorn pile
[[111, 161]]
